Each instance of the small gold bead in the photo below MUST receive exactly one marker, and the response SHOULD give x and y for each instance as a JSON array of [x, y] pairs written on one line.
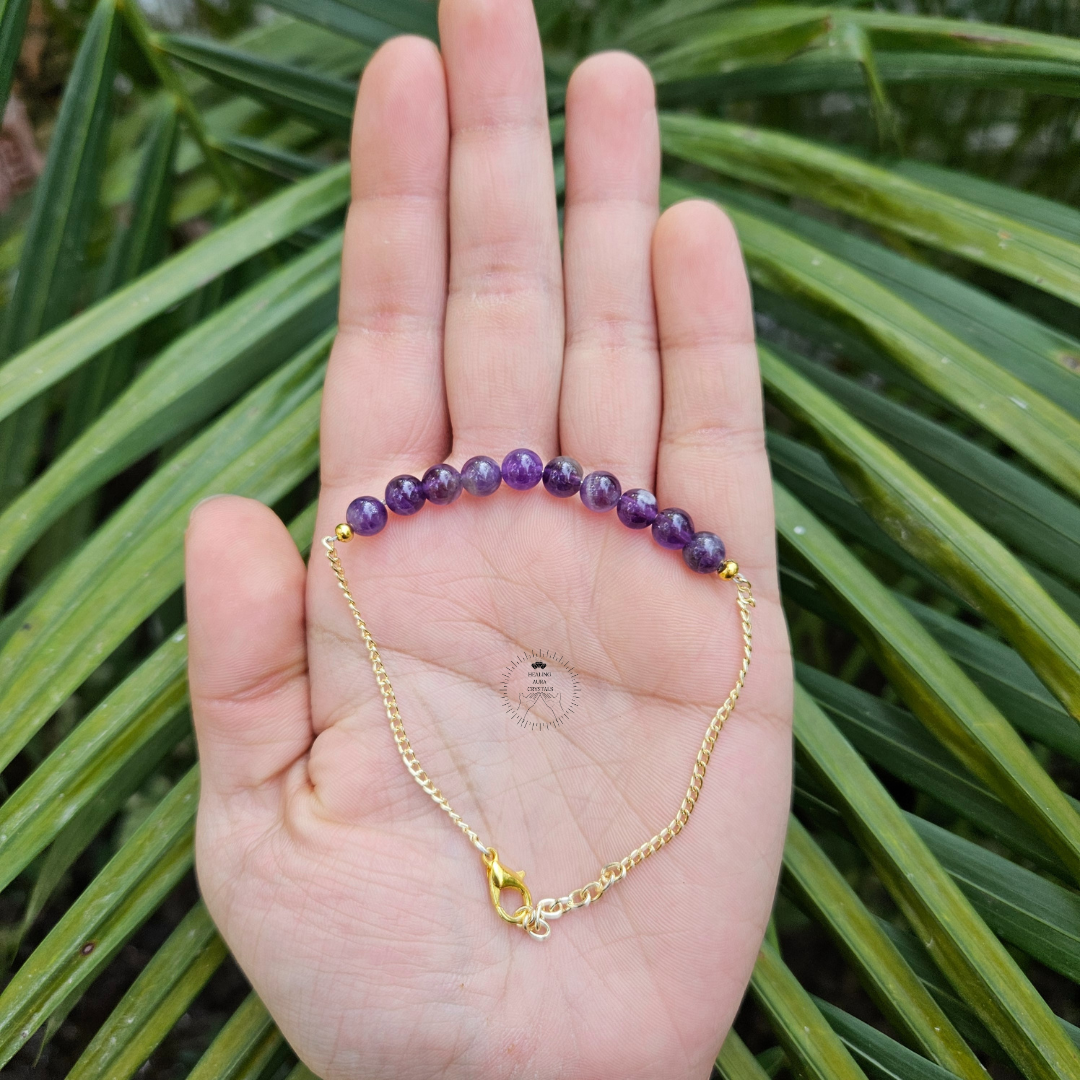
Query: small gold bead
[[343, 533], [729, 569]]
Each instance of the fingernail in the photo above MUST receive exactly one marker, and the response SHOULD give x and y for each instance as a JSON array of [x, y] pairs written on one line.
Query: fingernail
[[202, 502]]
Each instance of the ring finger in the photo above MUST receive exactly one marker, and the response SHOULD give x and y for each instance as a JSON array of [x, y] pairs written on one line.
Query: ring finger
[[610, 409]]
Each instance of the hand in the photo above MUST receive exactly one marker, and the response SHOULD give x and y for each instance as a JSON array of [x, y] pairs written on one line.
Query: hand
[[357, 910]]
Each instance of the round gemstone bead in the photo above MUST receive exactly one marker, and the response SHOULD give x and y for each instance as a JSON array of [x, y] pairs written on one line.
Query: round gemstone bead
[[705, 553], [600, 491], [562, 477], [481, 475], [637, 508], [673, 528], [405, 495], [522, 469], [441, 484], [366, 516]]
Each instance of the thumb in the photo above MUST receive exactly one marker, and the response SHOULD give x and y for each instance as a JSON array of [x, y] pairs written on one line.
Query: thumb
[[247, 654]]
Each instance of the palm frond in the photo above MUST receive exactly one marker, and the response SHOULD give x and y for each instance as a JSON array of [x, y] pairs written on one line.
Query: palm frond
[[921, 355]]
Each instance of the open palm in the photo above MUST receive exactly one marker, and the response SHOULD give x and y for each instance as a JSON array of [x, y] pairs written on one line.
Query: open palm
[[357, 910]]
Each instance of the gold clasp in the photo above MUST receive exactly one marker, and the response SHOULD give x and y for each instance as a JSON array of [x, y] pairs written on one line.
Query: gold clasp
[[500, 878]]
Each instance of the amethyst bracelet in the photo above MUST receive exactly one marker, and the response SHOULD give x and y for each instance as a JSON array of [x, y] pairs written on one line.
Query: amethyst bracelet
[[562, 477], [600, 491]]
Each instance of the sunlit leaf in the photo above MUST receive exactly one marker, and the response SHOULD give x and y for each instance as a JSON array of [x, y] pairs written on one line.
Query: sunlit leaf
[[799, 1025], [977, 566], [189, 381], [61, 352], [945, 700], [735, 1062], [262, 447], [939, 217], [821, 889], [972, 958]]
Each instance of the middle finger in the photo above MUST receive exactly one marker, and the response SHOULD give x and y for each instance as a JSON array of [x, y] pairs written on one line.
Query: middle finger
[[504, 315]]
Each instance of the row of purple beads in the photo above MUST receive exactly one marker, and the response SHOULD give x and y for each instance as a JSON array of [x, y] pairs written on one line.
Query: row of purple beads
[[563, 477]]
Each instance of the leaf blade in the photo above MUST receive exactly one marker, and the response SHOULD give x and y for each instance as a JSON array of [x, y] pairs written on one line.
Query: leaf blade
[[821, 888], [797, 1022], [945, 700], [79, 339], [963, 947]]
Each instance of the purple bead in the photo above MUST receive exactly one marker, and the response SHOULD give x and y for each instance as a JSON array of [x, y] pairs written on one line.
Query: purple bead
[[522, 469], [481, 475], [673, 528], [366, 516], [441, 484], [600, 491], [405, 495], [705, 553], [637, 508], [562, 477]]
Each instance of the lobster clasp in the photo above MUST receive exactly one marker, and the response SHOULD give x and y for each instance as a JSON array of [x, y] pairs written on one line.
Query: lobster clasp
[[500, 878]]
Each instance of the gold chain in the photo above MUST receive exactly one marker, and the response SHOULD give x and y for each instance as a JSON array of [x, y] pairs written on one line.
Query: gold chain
[[534, 918]]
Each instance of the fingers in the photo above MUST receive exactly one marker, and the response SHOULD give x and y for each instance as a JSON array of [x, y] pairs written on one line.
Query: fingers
[[610, 411], [712, 447], [504, 317], [246, 652], [384, 405]]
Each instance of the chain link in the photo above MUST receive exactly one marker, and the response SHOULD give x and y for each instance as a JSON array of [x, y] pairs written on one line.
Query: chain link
[[536, 918]]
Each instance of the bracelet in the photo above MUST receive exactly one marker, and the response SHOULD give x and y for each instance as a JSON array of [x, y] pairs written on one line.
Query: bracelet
[[600, 491]]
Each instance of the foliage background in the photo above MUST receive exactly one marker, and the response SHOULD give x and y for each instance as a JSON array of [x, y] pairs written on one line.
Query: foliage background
[[904, 177]]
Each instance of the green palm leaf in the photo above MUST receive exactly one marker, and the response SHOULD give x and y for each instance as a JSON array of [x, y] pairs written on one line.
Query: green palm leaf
[[263, 447], [950, 706], [370, 23], [13, 15], [961, 944], [1029, 515], [157, 999], [978, 567], [1033, 424], [803, 1031], [892, 738], [53, 251], [78, 340], [821, 888], [329, 102], [245, 1046], [187, 382], [134, 249], [921, 328], [878, 1055], [893, 200], [127, 890], [735, 1062]]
